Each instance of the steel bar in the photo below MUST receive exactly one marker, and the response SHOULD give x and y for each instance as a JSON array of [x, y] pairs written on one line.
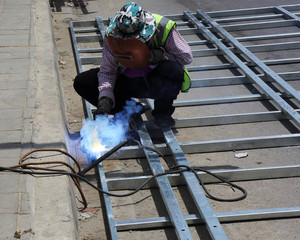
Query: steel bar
[[96, 60], [223, 100], [234, 144], [280, 102], [233, 175], [238, 12], [237, 19], [253, 58], [86, 30], [252, 48], [111, 226], [88, 38], [100, 174], [245, 26], [235, 80], [260, 25], [180, 226], [230, 119], [223, 217], [250, 11], [212, 224], [79, 65], [249, 38], [201, 42], [287, 14]]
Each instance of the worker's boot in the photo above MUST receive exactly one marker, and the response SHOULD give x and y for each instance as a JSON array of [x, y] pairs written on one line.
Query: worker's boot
[[164, 121]]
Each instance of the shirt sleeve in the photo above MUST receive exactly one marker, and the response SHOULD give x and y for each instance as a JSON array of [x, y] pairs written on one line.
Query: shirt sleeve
[[176, 48], [108, 72]]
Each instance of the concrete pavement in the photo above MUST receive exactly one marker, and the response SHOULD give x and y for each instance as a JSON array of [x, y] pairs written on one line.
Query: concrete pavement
[[31, 117]]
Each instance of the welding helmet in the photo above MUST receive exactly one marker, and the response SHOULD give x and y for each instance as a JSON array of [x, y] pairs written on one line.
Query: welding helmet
[[131, 52], [127, 33]]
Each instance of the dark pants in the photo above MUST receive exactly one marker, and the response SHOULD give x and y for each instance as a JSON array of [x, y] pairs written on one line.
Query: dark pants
[[162, 84]]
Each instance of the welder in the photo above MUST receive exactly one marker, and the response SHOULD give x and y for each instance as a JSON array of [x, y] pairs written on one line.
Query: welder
[[143, 57]]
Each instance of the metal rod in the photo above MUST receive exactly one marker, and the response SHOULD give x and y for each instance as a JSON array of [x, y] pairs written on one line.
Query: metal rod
[[284, 106], [110, 225], [224, 217], [235, 80], [177, 218], [79, 66], [212, 224], [254, 59], [247, 174], [104, 156], [286, 140], [223, 100]]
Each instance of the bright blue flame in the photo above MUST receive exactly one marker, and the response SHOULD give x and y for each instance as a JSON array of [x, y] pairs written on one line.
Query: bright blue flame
[[103, 132]]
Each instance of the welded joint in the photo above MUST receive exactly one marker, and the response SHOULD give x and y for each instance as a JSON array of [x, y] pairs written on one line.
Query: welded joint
[[287, 15]]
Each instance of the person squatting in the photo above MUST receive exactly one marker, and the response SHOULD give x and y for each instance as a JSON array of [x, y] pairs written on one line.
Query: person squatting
[[143, 57]]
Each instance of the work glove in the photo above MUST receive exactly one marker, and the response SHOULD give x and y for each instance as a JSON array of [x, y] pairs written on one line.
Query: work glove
[[104, 106], [157, 56]]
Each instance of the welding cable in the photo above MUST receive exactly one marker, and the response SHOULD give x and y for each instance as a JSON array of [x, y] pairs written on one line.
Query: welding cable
[[56, 171], [74, 175], [193, 170], [50, 150], [87, 181]]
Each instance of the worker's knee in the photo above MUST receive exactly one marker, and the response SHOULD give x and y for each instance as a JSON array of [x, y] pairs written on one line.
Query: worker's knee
[[86, 81], [172, 70]]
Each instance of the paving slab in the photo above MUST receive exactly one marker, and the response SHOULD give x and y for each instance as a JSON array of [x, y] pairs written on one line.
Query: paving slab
[[31, 117]]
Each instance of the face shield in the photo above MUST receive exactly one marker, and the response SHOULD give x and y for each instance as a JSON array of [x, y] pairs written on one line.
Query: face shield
[[130, 52]]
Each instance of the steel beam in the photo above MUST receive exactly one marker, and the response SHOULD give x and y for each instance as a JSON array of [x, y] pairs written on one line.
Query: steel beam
[[223, 217], [236, 80], [212, 224], [111, 225], [221, 145], [223, 100], [79, 65], [253, 58], [284, 106], [180, 226], [233, 175], [233, 20]]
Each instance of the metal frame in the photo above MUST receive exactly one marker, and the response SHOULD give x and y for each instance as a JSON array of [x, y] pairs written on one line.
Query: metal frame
[[215, 28]]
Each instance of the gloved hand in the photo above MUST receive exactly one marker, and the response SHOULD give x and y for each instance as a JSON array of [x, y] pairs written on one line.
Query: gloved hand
[[104, 106], [157, 56]]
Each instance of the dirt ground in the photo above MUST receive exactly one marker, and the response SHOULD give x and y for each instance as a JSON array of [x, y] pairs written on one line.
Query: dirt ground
[[91, 224]]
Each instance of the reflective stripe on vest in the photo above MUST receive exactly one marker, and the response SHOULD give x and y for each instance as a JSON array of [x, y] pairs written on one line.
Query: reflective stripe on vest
[[164, 26]]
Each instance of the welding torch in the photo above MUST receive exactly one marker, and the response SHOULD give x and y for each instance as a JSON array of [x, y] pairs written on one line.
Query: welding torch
[[103, 157]]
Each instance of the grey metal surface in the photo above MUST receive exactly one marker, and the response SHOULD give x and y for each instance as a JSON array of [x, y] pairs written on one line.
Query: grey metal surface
[[233, 175], [213, 34], [213, 225], [267, 90], [176, 216], [101, 173], [223, 217]]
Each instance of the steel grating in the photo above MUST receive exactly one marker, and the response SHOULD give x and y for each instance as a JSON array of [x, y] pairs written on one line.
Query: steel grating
[[213, 35]]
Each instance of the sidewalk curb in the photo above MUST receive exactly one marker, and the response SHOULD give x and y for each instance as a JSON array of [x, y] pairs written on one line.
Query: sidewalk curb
[[53, 202]]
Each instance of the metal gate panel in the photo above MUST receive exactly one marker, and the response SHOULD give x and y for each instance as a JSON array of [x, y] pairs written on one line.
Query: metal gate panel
[[211, 34]]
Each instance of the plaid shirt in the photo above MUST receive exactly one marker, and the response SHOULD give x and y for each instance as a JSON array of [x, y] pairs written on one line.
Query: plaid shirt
[[175, 47]]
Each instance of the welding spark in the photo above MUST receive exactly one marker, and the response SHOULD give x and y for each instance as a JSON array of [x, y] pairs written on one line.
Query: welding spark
[[96, 147], [102, 133]]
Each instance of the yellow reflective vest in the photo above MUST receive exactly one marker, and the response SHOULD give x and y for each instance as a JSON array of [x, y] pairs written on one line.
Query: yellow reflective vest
[[165, 25]]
